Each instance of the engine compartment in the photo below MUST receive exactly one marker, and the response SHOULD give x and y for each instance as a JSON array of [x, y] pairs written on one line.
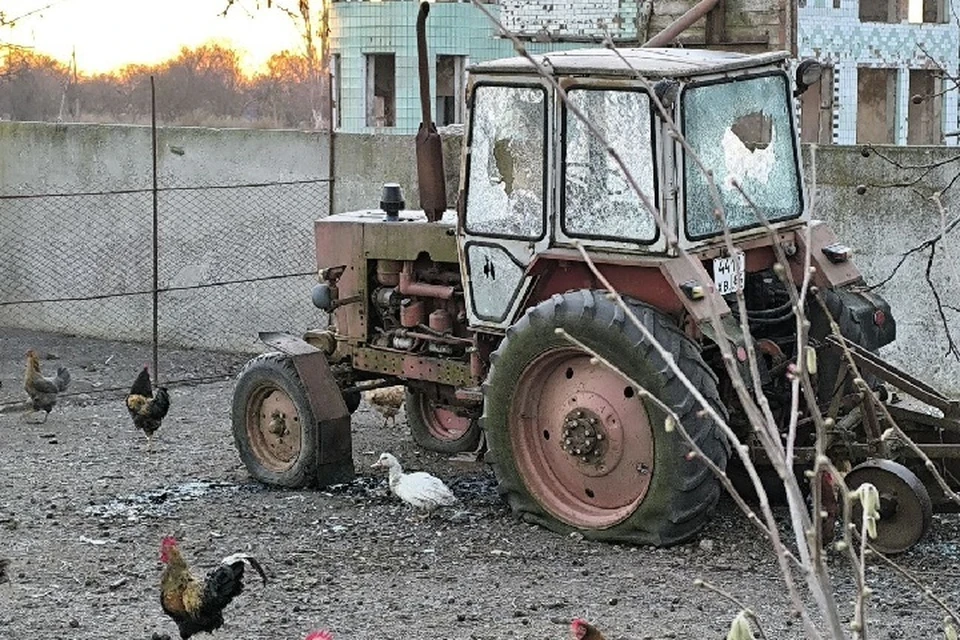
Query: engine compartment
[[417, 306]]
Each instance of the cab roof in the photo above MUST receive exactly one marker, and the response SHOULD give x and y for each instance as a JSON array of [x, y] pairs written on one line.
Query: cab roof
[[648, 61]]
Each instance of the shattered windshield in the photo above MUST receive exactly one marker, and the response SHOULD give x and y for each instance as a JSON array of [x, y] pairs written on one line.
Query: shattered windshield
[[505, 189], [598, 201], [741, 130]]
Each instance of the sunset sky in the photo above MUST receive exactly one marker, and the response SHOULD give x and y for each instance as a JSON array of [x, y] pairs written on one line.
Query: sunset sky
[[108, 34]]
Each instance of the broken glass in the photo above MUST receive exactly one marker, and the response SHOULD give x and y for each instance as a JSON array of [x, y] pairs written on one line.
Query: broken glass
[[494, 278], [598, 200], [505, 189], [741, 130]]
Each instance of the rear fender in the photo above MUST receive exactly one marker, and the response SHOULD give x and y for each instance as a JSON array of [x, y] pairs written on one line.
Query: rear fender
[[335, 453]]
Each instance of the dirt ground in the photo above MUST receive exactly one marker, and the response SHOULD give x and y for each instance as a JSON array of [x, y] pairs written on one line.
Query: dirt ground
[[83, 506]]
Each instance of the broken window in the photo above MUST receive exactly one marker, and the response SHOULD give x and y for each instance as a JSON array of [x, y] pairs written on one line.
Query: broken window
[[742, 131], [494, 279], [926, 11], [381, 90], [450, 75], [816, 110], [924, 109], [505, 189], [876, 105], [879, 11], [598, 200]]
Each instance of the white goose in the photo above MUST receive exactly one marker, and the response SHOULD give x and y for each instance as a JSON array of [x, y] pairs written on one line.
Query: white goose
[[419, 489]]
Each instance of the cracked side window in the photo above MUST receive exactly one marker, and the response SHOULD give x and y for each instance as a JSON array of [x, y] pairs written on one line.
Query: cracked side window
[[742, 132], [494, 279], [505, 188], [598, 201]]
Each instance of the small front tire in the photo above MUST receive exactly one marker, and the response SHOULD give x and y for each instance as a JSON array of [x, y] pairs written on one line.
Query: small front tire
[[273, 425]]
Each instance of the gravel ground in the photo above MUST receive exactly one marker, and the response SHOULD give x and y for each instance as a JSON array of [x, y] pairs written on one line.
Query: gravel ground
[[83, 506]]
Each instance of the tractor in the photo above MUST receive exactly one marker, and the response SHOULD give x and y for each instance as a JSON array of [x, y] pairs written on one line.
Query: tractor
[[463, 306]]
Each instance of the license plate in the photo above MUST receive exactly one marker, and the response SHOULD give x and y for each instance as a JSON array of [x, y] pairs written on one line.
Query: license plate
[[728, 273]]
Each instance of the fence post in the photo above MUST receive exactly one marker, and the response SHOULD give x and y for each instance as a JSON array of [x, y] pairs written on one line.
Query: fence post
[[156, 275]]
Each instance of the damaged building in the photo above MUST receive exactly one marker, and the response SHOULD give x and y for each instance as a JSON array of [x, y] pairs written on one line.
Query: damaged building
[[885, 80], [884, 59]]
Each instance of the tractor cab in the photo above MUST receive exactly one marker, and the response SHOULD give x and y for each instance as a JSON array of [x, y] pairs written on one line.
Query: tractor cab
[[539, 175]]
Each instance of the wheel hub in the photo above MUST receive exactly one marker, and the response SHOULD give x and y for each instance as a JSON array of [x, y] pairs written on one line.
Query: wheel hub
[[273, 425], [278, 424], [584, 437]]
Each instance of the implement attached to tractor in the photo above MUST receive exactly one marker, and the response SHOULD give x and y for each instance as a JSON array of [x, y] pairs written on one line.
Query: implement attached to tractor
[[462, 307]]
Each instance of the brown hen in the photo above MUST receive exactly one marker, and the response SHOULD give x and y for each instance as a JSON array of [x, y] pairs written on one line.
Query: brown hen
[[387, 401], [43, 391]]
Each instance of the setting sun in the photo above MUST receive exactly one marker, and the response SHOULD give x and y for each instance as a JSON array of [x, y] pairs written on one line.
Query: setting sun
[[109, 34]]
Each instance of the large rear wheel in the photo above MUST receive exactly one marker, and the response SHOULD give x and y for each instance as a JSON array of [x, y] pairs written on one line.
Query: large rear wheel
[[574, 444], [273, 425]]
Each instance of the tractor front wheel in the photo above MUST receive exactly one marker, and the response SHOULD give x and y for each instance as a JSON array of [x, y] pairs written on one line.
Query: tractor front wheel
[[273, 425], [577, 446]]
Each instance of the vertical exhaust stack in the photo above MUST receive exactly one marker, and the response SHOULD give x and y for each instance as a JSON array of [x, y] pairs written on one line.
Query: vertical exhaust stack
[[433, 189]]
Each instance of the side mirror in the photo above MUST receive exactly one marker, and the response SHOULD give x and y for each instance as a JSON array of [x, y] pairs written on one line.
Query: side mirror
[[808, 74]]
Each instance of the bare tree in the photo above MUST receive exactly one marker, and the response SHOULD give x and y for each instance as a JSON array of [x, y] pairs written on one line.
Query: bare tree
[[314, 28], [803, 562]]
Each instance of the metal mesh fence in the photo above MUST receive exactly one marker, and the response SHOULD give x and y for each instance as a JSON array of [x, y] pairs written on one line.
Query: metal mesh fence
[[232, 260], [76, 262], [254, 245]]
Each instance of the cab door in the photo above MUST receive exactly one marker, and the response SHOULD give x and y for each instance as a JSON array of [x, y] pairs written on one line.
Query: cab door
[[506, 191]]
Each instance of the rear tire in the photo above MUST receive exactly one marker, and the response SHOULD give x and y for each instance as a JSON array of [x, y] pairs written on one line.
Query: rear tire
[[438, 429], [574, 446], [273, 425]]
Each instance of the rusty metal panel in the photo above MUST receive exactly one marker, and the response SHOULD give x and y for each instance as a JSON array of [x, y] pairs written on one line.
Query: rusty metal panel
[[335, 452], [407, 365], [286, 343], [409, 237], [827, 273], [680, 270], [339, 241]]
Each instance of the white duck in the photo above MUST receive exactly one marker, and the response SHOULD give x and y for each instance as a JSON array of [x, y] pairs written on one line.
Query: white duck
[[419, 489]]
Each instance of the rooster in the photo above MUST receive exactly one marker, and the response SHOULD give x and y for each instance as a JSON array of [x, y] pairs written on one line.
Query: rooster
[[194, 605], [580, 629], [387, 401], [43, 391], [146, 409]]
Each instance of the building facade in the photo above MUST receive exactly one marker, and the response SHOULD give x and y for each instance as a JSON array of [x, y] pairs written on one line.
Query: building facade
[[374, 50], [373, 46], [885, 81]]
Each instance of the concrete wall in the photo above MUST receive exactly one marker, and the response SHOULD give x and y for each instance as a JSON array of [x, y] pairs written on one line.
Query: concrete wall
[[88, 245], [55, 247], [747, 25], [835, 35], [885, 222]]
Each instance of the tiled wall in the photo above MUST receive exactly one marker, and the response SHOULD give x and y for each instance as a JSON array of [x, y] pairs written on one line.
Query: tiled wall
[[593, 18], [360, 28], [837, 36]]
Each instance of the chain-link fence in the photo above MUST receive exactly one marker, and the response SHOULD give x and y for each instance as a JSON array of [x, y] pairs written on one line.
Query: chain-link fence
[[231, 260], [235, 260]]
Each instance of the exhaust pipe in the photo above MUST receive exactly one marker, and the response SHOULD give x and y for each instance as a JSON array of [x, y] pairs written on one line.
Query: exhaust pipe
[[681, 24], [430, 177]]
